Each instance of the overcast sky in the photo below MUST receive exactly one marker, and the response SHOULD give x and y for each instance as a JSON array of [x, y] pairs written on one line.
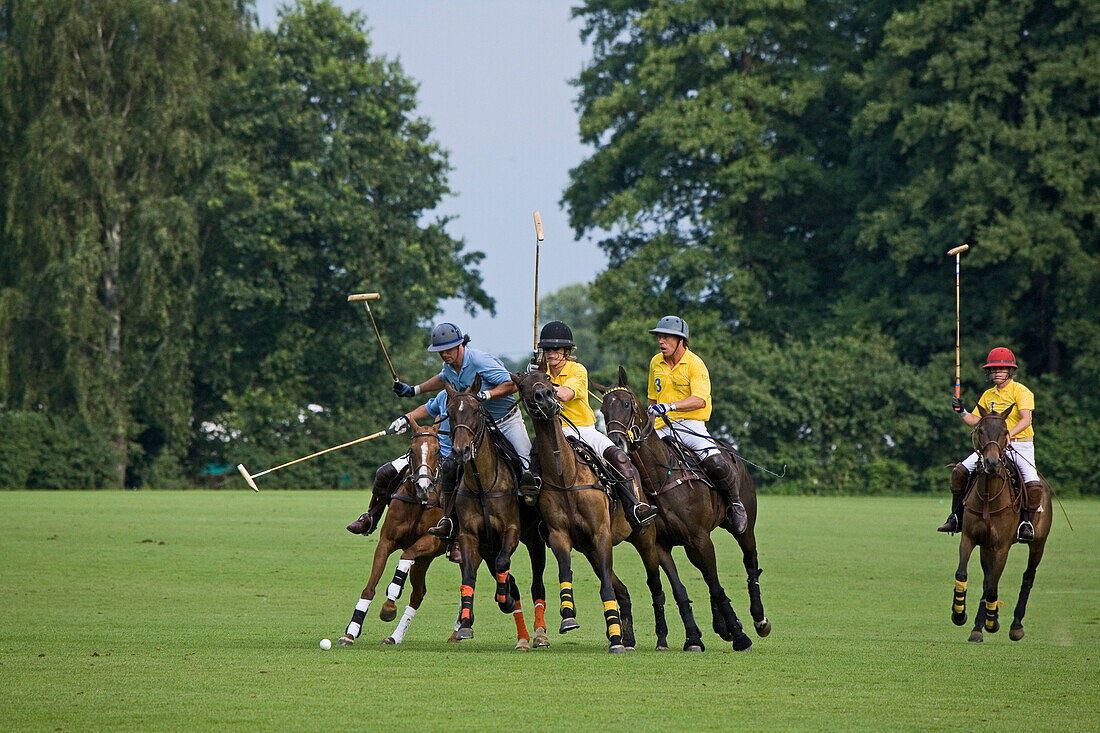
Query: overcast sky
[[494, 82]]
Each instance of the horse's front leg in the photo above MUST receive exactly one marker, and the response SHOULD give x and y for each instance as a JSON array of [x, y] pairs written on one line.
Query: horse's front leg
[[693, 637], [600, 559], [958, 604], [471, 561], [419, 589], [508, 596], [993, 564], [646, 545], [427, 546], [381, 553], [561, 546], [626, 616]]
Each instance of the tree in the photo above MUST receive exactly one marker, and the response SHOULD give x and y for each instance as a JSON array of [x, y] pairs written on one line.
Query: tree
[[323, 190], [104, 128], [978, 123]]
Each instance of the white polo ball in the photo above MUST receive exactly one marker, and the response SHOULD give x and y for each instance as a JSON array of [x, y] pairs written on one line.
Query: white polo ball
[[326, 644]]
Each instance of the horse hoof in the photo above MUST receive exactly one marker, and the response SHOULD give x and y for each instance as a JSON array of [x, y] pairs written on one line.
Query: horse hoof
[[994, 627], [1016, 633], [345, 640], [389, 641], [617, 649], [975, 636], [389, 611], [453, 637], [742, 643], [662, 648], [523, 645], [568, 624], [629, 648], [464, 633], [958, 618], [540, 640], [763, 628], [693, 647]]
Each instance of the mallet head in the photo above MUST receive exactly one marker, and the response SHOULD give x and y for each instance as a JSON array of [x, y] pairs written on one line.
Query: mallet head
[[958, 250], [247, 477], [363, 296]]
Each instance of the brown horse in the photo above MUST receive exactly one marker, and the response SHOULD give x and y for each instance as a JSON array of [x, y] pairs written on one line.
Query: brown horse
[[487, 509], [413, 508], [577, 513], [989, 522], [689, 510]]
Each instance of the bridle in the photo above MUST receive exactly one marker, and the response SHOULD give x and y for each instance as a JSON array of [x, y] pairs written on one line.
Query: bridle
[[980, 446], [477, 433], [544, 410], [632, 433]]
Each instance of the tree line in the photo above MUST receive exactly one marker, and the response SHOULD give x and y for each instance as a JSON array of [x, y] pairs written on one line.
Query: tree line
[[186, 199]]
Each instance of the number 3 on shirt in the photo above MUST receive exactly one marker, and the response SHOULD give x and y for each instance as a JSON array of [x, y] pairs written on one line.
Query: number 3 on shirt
[[657, 383]]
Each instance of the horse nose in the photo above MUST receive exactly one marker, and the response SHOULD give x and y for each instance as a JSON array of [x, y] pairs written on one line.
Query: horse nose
[[993, 465], [466, 453]]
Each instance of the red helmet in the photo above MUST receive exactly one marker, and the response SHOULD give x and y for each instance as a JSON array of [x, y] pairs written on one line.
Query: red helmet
[[1000, 357]]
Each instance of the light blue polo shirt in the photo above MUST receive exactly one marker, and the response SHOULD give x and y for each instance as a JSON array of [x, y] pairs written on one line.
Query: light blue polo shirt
[[437, 407], [492, 373]]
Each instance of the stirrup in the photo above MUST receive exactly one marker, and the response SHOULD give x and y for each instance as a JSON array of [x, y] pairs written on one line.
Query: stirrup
[[364, 525], [1025, 532], [952, 525], [444, 530], [643, 514]]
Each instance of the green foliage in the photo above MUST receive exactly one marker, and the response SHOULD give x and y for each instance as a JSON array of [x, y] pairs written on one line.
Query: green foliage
[[39, 451], [788, 178], [325, 179]]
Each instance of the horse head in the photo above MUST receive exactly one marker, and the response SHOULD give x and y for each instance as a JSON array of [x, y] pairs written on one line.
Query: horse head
[[991, 439], [467, 420], [424, 461], [538, 395], [623, 414]]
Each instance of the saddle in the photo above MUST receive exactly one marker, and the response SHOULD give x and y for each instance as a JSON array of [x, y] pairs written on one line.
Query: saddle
[[504, 450], [596, 462], [689, 462], [1015, 484]]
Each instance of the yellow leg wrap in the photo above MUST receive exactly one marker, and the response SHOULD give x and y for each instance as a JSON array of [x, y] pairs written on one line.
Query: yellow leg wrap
[[993, 605], [960, 586], [614, 630], [609, 605]]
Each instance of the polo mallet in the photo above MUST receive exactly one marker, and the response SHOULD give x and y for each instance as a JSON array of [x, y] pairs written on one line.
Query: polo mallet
[[250, 478], [957, 251], [367, 298], [538, 238]]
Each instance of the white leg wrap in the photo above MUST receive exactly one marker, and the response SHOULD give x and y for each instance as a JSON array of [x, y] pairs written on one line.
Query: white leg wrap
[[354, 628], [403, 624], [393, 592]]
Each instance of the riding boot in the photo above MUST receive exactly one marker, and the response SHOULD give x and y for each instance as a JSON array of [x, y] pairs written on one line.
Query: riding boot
[[638, 512], [960, 477], [530, 483], [447, 528], [1026, 532], [720, 471], [384, 484]]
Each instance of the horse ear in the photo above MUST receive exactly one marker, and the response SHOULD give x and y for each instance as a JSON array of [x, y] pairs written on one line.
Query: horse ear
[[449, 389], [476, 386], [517, 377], [1007, 410], [982, 411], [622, 376]]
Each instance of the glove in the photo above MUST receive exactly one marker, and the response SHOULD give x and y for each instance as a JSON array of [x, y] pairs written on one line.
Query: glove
[[398, 426], [403, 390], [483, 396], [533, 365], [658, 410], [957, 405]]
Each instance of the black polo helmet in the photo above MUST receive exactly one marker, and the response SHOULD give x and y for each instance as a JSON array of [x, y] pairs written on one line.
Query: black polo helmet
[[556, 335]]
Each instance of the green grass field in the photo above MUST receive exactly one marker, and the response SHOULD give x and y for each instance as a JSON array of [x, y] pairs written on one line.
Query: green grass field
[[202, 610]]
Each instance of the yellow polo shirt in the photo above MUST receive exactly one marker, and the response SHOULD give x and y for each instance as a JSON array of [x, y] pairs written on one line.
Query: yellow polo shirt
[[1015, 394], [574, 376], [671, 384]]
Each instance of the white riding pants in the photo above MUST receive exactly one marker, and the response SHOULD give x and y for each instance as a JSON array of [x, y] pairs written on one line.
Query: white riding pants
[[590, 435], [702, 444], [1020, 452], [516, 433]]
